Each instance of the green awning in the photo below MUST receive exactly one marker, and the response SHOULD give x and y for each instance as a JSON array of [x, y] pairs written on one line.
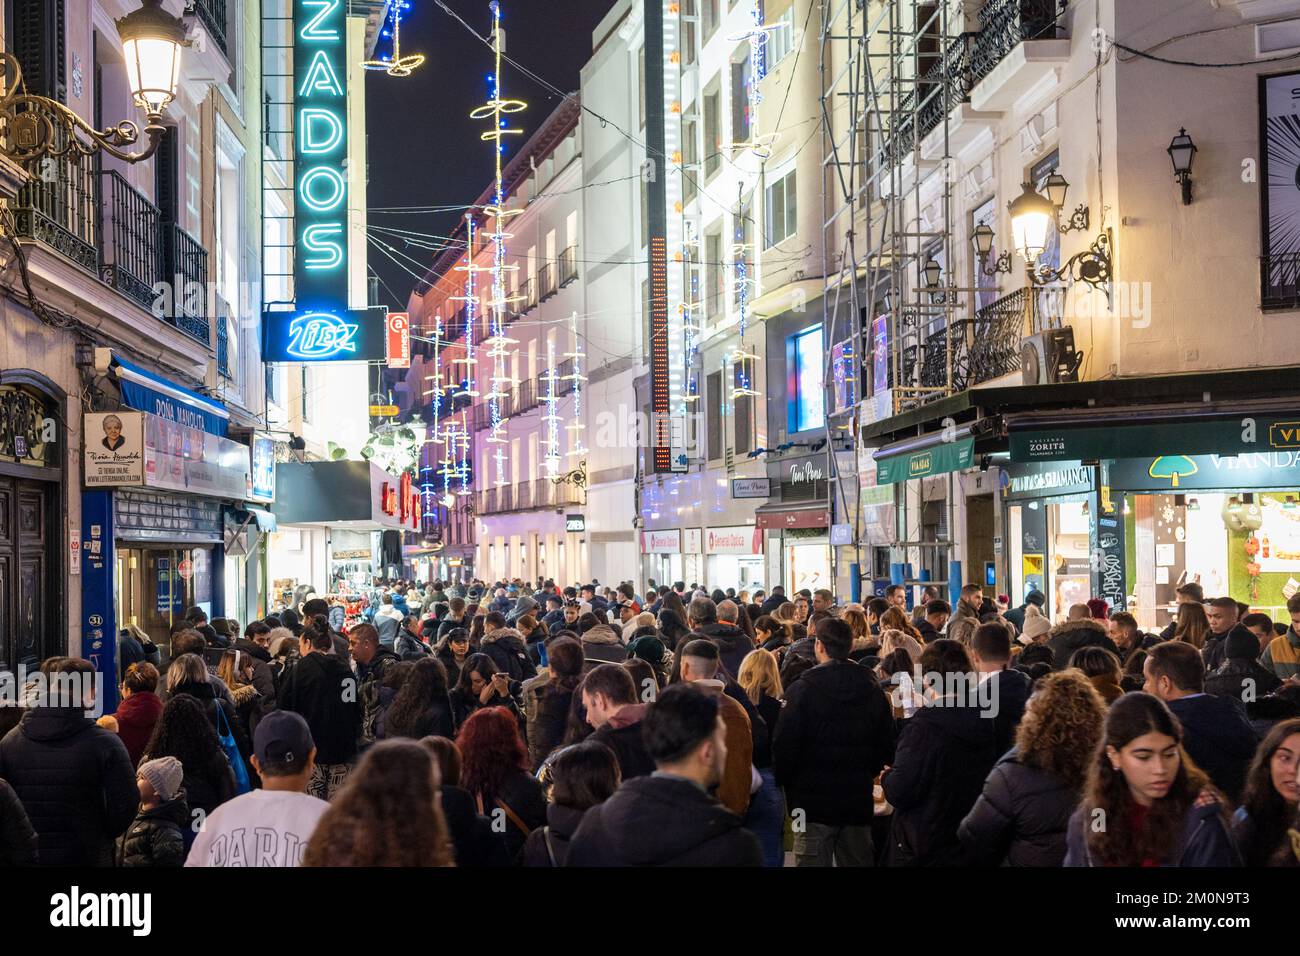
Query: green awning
[[936, 460], [1238, 435]]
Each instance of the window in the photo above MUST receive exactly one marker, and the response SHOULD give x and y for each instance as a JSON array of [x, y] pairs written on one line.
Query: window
[[713, 421], [712, 132], [780, 39], [713, 275], [804, 359], [690, 161], [711, 18], [689, 19], [779, 209], [742, 410], [741, 75]]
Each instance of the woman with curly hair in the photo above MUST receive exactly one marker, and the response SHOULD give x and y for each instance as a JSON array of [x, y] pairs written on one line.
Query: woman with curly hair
[[421, 707], [1272, 793], [183, 732], [495, 771], [1021, 816], [387, 814], [1146, 803]]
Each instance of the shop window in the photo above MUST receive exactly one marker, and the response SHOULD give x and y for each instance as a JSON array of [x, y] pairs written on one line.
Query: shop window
[[805, 367]]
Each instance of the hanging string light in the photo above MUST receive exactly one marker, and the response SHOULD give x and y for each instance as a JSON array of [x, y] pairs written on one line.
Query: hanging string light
[[495, 110], [757, 37], [577, 426], [552, 416], [395, 64], [741, 357], [470, 298], [427, 471]]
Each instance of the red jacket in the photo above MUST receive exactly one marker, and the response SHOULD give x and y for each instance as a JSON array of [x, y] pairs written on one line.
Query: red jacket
[[136, 716]]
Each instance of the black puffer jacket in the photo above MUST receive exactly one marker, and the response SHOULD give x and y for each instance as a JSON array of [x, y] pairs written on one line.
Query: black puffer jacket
[[509, 654], [1218, 737], [322, 689], [1065, 639], [944, 754], [75, 781], [1243, 678], [17, 838], [549, 845], [835, 733], [156, 837], [1020, 819], [662, 821], [733, 643], [550, 709]]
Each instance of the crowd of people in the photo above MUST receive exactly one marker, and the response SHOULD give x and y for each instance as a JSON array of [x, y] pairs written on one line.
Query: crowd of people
[[526, 724]]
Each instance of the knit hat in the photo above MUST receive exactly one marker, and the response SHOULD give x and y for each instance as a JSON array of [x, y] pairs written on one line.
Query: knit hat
[[1036, 625], [650, 649], [1241, 643], [164, 775]]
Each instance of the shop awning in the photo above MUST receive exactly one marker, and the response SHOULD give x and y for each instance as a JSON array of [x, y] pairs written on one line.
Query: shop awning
[[264, 520], [936, 457], [147, 392], [776, 515], [1144, 433]]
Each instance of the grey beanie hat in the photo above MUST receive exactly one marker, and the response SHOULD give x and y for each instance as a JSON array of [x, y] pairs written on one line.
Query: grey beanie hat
[[164, 775]]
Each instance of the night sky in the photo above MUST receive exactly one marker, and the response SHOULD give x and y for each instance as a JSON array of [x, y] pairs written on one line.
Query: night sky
[[424, 150]]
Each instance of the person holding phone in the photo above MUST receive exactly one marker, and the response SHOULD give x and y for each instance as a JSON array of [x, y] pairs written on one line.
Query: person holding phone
[[481, 685]]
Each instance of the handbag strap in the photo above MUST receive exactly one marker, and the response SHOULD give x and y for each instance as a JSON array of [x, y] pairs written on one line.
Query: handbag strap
[[225, 730], [514, 817]]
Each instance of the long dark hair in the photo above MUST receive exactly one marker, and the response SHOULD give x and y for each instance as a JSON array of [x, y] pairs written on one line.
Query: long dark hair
[[743, 621], [1268, 811], [387, 814], [1115, 844], [584, 775], [672, 602], [183, 732], [672, 625], [479, 664], [424, 689], [566, 662]]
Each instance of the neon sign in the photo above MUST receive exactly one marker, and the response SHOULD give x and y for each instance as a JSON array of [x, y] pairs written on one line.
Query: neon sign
[[321, 327]]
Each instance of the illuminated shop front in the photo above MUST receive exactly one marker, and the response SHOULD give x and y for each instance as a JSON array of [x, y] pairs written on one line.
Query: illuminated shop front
[[1047, 531]]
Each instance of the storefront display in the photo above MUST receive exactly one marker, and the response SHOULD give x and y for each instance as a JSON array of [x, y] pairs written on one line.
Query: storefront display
[[733, 557], [662, 551], [1049, 529]]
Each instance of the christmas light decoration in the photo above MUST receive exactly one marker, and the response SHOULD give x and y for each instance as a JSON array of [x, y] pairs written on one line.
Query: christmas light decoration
[[469, 296], [577, 426], [495, 110], [757, 36], [552, 416], [395, 64]]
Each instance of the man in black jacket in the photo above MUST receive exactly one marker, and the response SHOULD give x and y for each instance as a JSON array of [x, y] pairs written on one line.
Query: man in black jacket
[[1217, 735], [1222, 613], [74, 778], [324, 691], [774, 600], [669, 818], [372, 662], [717, 623], [610, 701], [835, 733], [1009, 689]]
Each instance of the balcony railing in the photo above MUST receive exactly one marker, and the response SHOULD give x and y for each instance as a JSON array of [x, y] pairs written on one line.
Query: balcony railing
[[185, 261], [223, 347], [546, 281], [129, 226], [568, 266], [1005, 24], [538, 494], [1279, 281], [59, 207], [527, 296], [213, 15], [525, 396], [948, 83]]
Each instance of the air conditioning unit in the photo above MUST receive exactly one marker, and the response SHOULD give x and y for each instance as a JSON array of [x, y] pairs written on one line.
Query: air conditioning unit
[[1048, 357]]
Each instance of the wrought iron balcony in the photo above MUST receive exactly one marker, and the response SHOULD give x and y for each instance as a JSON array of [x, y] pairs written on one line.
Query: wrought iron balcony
[[59, 207], [537, 494], [129, 226], [213, 15], [1005, 24], [525, 396], [185, 266], [546, 281], [947, 84], [568, 266], [223, 347], [1279, 281]]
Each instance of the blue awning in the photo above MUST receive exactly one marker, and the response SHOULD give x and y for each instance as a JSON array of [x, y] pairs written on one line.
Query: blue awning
[[147, 392]]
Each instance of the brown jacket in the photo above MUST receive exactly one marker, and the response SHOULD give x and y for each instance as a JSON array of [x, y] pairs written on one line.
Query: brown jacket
[[737, 775]]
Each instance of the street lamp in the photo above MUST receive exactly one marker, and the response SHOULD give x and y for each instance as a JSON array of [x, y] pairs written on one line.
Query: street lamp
[[982, 236], [1031, 214], [36, 126], [1181, 150], [932, 271], [1031, 217]]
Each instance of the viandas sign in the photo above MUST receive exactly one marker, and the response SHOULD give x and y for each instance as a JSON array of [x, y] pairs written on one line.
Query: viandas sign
[[321, 328]]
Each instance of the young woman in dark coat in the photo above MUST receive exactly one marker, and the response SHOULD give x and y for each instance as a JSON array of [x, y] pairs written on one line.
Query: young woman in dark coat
[[553, 699], [482, 685], [583, 776], [422, 707], [1272, 793], [1021, 817], [189, 675]]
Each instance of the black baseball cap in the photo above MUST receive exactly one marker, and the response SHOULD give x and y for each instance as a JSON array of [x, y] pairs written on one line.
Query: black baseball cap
[[282, 737]]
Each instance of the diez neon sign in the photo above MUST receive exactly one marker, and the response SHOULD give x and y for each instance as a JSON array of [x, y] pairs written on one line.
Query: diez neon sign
[[319, 335]]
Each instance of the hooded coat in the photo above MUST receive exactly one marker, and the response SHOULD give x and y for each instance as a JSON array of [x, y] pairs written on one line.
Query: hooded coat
[[965, 619], [315, 688], [944, 754], [662, 821], [75, 781], [1068, 637], [509, 653], [603, 645], [156, 837], [136, 716], [622, 734], [833, 736], [733, 643], [1217, 735]]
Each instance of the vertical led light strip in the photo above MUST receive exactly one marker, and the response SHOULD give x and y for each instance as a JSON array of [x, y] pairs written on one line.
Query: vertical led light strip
[[470, 298], [552, 416], [577, 426], [656, 191], [672, 61], [427, 470]]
